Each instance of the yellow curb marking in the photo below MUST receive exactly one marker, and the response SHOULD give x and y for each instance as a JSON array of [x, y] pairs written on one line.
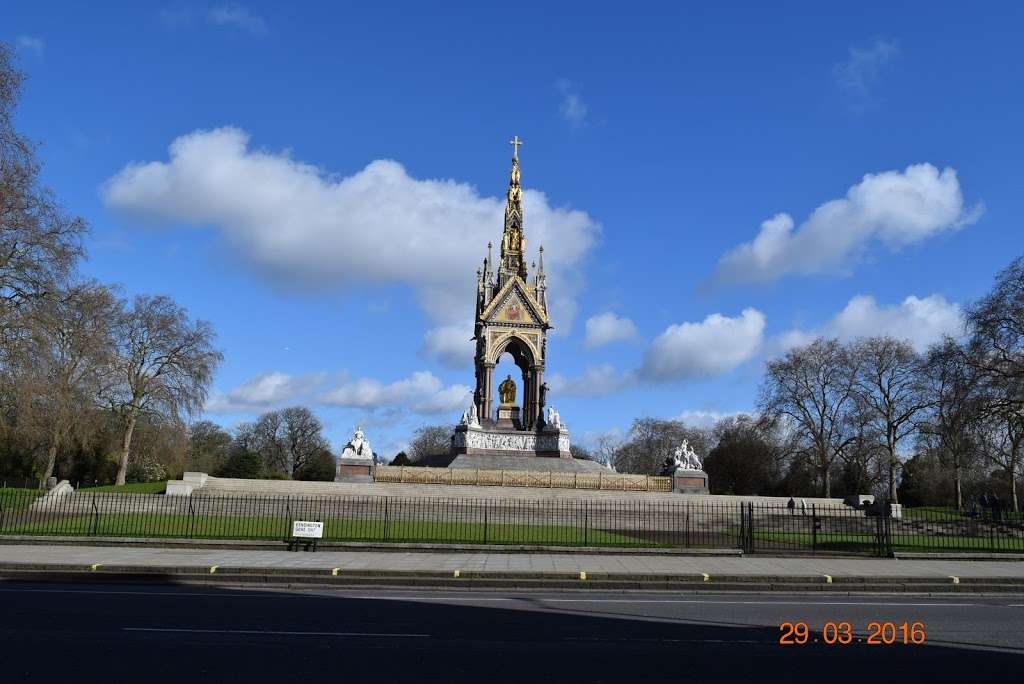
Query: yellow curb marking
[[956, 580], [334, 572], [213, 569], [707, 577], [455, 573], [828, 579], [94, 566], [583, 575]]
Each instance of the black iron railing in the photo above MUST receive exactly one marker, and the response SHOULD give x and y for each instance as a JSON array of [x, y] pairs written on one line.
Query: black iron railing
[[674, 523]]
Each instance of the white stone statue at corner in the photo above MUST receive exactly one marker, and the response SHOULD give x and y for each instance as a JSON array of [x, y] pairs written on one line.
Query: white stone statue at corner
[[358, 446], [686, 458], [470, 418], [553, 420]]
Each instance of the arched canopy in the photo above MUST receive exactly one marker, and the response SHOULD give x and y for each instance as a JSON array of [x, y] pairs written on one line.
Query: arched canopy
[[521, 352]]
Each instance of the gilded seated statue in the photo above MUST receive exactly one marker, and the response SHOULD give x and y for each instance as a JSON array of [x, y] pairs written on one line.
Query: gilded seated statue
[[507, 391]]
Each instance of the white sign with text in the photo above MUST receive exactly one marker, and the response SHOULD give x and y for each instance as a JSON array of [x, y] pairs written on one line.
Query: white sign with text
[[307, 529]]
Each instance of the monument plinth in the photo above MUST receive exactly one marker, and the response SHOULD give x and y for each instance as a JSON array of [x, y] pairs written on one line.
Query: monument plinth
[[356, 461], [686, 470], [690, 481], [512, 318]]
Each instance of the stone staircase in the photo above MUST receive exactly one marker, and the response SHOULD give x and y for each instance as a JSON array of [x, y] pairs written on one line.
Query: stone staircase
[[216, 486]]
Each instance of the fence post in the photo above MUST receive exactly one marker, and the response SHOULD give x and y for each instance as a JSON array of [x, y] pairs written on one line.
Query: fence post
[[386, 519], [586, 522], [750, 526], [288, 522], [95, 515], [191, 519], [814, 531], [486, 508], [686, 522]]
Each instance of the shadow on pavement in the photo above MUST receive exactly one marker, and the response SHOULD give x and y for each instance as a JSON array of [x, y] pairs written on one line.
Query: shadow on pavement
[[78, 632]]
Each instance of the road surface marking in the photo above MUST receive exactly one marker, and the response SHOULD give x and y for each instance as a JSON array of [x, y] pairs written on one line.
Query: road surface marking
[[270, 632]]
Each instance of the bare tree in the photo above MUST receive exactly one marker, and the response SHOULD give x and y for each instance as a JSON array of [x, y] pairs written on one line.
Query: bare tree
[[811, 388], [39, 243], [1001, 438], [607, 444], [302, 436], [285, 440], [68, 345], [996, 349], [163, 367], [430, 440], [863, 455], [953, 384], [652, 440], [997, 342], [888, 386]]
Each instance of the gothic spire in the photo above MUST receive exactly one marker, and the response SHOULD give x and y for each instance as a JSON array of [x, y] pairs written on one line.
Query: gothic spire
[[513, 241]]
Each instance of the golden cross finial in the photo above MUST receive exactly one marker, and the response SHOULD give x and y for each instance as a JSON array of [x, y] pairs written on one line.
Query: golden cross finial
[[515, 142]]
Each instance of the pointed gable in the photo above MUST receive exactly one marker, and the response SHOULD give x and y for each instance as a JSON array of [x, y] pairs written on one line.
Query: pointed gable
[[515, 304]]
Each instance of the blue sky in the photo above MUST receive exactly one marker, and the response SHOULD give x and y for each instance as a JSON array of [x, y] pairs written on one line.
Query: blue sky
[[712, 182]]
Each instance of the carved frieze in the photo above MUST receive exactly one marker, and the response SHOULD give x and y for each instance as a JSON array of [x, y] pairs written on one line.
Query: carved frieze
[[501, 441]]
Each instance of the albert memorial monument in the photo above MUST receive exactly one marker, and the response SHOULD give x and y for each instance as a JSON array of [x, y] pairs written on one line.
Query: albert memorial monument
[[506, 432]]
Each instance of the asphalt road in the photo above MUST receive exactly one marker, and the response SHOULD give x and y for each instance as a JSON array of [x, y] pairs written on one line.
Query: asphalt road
[[116, 632]]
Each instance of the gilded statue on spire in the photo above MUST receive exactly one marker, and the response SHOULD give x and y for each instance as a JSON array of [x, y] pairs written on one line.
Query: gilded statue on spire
[[513, 242]]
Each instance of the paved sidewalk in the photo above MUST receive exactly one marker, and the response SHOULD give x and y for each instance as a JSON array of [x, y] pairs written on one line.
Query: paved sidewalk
[[82, 557]]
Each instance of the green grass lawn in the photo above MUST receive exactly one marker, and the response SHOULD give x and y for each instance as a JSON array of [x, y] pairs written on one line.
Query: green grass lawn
[[16, 498], [232, 527], [131, 488]]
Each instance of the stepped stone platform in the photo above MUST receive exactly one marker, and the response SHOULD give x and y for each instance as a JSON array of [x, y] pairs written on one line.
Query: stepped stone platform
[[217, 486]]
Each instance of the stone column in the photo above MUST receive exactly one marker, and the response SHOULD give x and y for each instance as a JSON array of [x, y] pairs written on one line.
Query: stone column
[[488, 391], [535, 383], [527, 393]]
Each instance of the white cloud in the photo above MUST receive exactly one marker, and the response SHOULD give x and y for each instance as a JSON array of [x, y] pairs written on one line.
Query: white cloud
[[236, 16], [572, 107], [30, 45], [607, 328], [263, 392], [421, 392], [857, 75], [706, 419], [228, 16], [716, 345], [893, 207], [299, 226], [450, 344], [920, 321], [595, 381]]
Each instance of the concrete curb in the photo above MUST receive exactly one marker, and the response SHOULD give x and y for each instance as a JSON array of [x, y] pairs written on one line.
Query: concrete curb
[[959, 556], [323, 577], [272, 545]]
